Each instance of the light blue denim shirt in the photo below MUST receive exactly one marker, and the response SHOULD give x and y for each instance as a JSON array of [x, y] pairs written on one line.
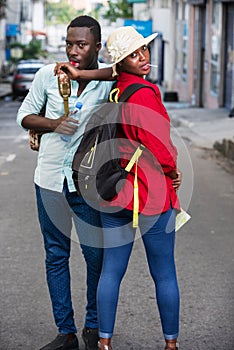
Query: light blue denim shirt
[[55, 156]]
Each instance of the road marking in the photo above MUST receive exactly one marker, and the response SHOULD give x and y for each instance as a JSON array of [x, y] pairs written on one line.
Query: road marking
[[10, 158], [6, 158], [22, 136]]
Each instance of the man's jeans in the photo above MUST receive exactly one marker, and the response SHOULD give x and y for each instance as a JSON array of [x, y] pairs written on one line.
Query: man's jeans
[[55, 211]]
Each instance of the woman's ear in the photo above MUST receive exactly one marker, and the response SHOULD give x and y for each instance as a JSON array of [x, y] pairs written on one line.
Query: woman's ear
[[118, 67]]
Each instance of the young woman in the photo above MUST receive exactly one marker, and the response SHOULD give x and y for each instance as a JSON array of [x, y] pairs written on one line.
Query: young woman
[[144, 122]]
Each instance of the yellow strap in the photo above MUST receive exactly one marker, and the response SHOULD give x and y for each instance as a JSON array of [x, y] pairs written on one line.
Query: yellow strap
[[116, 91], [91, 154], [135, 201], [134, 158], [129, 166]]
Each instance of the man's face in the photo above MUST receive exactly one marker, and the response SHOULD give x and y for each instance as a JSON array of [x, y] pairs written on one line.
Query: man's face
[[81, 48]]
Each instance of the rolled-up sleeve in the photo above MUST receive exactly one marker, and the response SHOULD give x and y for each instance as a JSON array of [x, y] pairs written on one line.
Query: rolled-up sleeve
[[35, 99]]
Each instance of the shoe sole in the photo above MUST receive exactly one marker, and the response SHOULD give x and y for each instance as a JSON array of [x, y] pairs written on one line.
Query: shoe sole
[[84, 340]]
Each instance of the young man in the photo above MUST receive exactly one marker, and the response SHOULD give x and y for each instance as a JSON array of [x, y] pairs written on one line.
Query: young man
[[57, 201]]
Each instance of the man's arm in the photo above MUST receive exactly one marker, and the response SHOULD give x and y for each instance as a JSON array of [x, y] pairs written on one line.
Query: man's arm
[[61, 125], [39, 123]]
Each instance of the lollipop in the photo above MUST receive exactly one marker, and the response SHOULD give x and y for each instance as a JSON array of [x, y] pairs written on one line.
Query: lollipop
[[75, 64]]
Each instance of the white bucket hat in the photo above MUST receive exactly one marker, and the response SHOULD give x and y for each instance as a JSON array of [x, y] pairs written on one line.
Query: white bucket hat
[[123, 41]]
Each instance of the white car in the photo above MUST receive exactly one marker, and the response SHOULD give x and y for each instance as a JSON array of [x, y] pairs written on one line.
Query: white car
[[24, 75]]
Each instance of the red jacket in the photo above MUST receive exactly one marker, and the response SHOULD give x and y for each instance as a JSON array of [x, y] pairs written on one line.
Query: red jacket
[[145, 121]]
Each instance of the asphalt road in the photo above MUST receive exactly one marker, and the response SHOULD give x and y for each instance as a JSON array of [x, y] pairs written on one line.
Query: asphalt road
[[204, 255]]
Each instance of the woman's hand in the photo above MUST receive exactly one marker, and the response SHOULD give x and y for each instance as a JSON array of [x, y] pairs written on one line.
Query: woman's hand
[[66, 67], [82, 74], [177, 182]]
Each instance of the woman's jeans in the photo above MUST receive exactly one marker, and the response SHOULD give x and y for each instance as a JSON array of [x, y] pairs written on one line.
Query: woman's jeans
[[158, 235], [55, 211]]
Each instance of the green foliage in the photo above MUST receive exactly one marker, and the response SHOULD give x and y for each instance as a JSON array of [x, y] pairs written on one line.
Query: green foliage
[[60, 13], [16, 44], [118, 9], [32, 50]]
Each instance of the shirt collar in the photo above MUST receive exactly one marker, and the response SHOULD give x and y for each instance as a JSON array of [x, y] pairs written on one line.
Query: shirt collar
[[126, 77]]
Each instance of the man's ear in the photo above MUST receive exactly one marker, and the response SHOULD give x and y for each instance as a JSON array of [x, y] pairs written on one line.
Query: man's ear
[[98, 46]]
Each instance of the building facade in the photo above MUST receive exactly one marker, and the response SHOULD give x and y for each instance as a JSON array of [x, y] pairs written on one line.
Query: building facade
[[204, 52], [192, 55], [20, 21], [2, 31], [194, 51]]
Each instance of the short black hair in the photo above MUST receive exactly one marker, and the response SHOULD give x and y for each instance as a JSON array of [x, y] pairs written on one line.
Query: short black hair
[[89, 22]]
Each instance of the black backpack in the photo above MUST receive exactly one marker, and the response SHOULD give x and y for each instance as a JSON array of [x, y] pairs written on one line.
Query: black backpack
[[96, 164]]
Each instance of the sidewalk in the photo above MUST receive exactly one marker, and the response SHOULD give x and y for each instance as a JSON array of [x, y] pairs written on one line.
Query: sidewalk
[[201, 126]]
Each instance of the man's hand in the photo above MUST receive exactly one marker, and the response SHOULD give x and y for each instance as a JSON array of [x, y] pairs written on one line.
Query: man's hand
[[65, 125]]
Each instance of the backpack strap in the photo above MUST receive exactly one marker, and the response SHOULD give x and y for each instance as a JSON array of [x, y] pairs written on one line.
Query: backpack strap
[[131, 89], [128, 92]]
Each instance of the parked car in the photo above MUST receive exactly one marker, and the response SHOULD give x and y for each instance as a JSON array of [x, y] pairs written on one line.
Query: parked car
[[24, 75]]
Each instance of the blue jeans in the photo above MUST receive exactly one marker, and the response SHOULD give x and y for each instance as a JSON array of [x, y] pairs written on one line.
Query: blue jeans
[[158, 235], [56, 211]]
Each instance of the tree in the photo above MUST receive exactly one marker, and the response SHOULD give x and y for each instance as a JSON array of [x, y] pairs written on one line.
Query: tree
[[60, 12], [118, 9], [31, 50]]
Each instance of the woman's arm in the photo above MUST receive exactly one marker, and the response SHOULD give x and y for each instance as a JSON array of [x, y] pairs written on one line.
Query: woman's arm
[[78, 74]]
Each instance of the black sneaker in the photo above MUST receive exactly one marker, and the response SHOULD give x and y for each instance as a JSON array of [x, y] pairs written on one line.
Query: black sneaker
[[63, 342], [90, 338]]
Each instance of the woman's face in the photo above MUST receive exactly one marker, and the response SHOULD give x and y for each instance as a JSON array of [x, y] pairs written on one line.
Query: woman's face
[[137, 63]]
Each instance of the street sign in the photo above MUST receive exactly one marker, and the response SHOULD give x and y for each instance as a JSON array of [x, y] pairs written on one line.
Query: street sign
[[143, 27]]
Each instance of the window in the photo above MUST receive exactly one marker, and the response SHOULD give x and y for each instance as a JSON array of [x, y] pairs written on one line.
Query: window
[[215, 47], [181, 40], [177, 40], [185, 42], [164, 3]]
